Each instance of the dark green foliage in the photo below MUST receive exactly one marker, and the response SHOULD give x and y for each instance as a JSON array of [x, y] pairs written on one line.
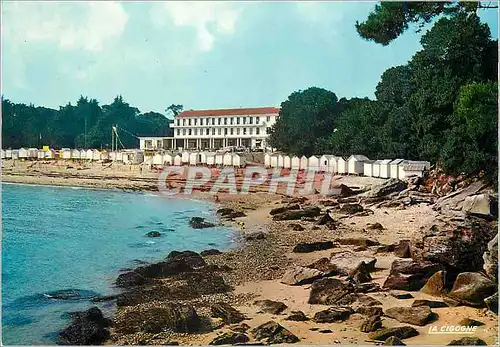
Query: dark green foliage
[[84, 125]]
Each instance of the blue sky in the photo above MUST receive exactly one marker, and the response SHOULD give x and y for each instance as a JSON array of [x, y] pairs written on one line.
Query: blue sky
[[201, 55]]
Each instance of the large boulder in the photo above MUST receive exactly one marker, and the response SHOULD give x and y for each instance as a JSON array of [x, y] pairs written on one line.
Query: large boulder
[[403, 249], [282, 209], [357, 241], [437, 284], [420, 315], [229, 338], [86, 328], [297, 316], [371, 323], [491, 303], [471, 288], [270, 306], [170, 316], [393, 341], [298, 214], [274, 333], [403, 332], [132, 279], [209, 252], [361, 274], [410, 275], [351, 208], [490, 258], [480, 204], [328, 291], [324, 266], [167, 268], [229, 213], [299, 275], [390, 186], [200, 223], [429, 303], [312, 246], [191, 258], [227, 313], [468, 341], [332, 314], [346, 262]]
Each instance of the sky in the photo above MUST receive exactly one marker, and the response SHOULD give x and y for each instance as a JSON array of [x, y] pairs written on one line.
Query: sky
[[202, 55]]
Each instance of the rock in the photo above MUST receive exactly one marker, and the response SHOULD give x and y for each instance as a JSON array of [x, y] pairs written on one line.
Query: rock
[[402, 296], [370, 311], [362, 300], [270, 306], [200, 223], [480, 204], [325, 331], [385, 249], [227, 313], [163, 269], [274, 333], [325, 219], [153, 234], [366, 287], [229, 338], [86, 328], [412, 315], [467, 322], [468, 341], [346, 262], [375, 226], [131, 279], [332, 314], [410, 275], [229, 213], [471, 288], [393, 341], [371, 323], [191, 258], [298, 214], [390, 186], [361, 274], [176, 317], [328, 202], [403, 332], [403, 249], [341, 190], [490, 258], [351, 208], [209, 252], [313, 246], [328, 291], [491, 303], [240, 328], [436, 285], [297, 316], [282, 209], [429, 303], [299, 275], [296, 227], [324, 266], [360, 241]]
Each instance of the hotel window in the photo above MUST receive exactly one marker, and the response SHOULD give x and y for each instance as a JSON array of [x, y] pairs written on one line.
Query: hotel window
[[268, 118], [257, 120], [213, 131], [220, 119], [237, 131], [251, 131], [213, 121], [183, 131], [268, 130], [231, 131], [232, 120], [225, 131], [159, 144], [183, 122], [190, 131], [149, 143], [219, 131], [178, 122], [251, 120], [208, 131], [225, 120], [244, 131], [201, 121], [178, 132], [257, 131], [237, 120], [195, 121], [244, 120], [189, 121], [196, 131]]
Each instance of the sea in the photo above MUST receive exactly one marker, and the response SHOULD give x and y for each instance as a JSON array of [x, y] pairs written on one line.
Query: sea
[[61, 246]]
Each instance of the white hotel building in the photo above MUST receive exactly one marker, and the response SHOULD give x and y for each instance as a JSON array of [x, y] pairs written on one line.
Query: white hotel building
[[214, 129]]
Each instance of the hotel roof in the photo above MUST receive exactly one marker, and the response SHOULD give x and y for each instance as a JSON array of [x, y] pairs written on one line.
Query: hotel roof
[[229, 112]]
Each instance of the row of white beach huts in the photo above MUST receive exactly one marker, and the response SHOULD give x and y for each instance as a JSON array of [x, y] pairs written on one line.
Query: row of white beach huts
[[198, 158], [355, 165]]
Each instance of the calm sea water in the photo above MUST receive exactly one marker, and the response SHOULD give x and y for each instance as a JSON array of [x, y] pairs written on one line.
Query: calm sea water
[[58, 238]]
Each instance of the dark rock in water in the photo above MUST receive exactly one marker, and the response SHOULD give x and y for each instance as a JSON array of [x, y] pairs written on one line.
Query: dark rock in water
[[282, 209], [298, 214], [191, 258], [297, 316], [371, 323], [209, 252], [229, 338], [227, 313], [165, 268], [467, 322], [200, 223], [402, 296], [173, 316], [132, 279], [332, 314], [270, 306], [351, 208], [471, 288], [468, 341], [429, 303], [70, 294], [403, 332], [412, 315], [45, 299], [393, 341], [328, 291], [296, 227], [104, 298], [492, 303], [313, 246], [87, 328], [274, 333], [153, 234]]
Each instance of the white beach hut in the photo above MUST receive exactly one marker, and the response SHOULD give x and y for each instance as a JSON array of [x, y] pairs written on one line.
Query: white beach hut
[[342, 165], [50, 154], [32, 153], [394, 167], [287, 162], [194, 158], [167, 159], [203, 158], [238, 160], [8, 154], [281, 161], [376, 168], [23, 153], [15, 153], [185, 157], [324, 163], [158, 159], [210, 159], [219, 159], [2, 154], [104, 155], [295, 163], [303, 162], [355, 164], [133, 156], [227, 159], [385, 168], [368, 168], [96, 155], [267, 160], [273, 161], [65, 153], [313, 163], [88, 154], [39, 155], [177, 160], [112, 156], [119, 156], [75, 154], [412, 168]]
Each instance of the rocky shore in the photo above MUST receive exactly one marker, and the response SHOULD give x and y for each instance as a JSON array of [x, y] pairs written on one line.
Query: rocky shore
[[388, 266]]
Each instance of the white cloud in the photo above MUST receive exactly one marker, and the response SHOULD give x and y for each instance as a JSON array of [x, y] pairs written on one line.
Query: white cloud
[[89, 26], [209, 19]]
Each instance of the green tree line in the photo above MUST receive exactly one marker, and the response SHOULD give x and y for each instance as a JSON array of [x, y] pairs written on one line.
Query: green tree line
[[85, 124], [441, 106]]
